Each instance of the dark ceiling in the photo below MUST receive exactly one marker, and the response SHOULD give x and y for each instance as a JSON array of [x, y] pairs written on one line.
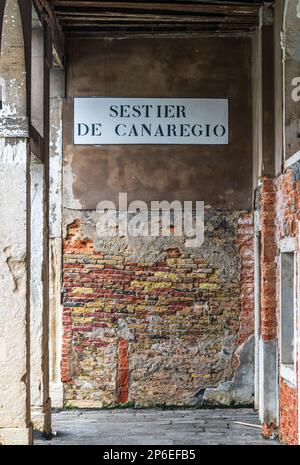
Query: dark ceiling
[[114, 18]]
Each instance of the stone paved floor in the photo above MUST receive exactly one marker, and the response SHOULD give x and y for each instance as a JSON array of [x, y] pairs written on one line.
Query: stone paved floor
[[154, 427]]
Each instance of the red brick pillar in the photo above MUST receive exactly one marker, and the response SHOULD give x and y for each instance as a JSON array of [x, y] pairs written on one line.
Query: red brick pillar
[[268, 320], [268, 260], [123, 372]]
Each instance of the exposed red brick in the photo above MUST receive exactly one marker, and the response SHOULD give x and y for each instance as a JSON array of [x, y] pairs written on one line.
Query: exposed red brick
[[123, 372], [177, 298], [246, 245], [288, 430], [75, 244], [269, 254], [288, 206], [288, 203], [268, 431]]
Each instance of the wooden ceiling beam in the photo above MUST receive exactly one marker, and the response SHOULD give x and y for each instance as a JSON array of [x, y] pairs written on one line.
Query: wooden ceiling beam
[[86, 34], [46, 13], [212, 8], [127, 16], [153, 28], [104, 27], [100, 20], [112, 17], [89, 16]]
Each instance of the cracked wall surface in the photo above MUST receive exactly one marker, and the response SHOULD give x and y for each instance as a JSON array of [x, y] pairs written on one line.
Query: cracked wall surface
[[57, 85], [182, 314], [13, 283], [14, 176], [148, 320]]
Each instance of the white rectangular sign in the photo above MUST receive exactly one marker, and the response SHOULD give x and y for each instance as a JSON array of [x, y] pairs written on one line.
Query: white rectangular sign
[[100, 121]]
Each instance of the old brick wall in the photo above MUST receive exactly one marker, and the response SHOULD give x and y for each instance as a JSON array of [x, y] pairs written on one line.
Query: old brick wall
[[268, 321], [279, 207], [269, 253], [148, 320], [288, 206], [288, 432], [158, 331]]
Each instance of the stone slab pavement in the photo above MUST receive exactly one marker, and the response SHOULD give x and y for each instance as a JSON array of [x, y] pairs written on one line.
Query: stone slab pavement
[[154, 427]]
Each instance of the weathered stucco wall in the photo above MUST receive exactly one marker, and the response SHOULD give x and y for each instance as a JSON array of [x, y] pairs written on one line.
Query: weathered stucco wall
[[147, 320], [195, 67], [178, 312], [15, 426]]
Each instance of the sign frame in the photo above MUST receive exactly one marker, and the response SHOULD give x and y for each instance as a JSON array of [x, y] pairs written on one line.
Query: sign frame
[[166, 99]]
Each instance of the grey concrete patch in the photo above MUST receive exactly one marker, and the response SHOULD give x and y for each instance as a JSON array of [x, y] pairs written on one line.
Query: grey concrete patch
[[155, 427], [269, 408], [241, 389]]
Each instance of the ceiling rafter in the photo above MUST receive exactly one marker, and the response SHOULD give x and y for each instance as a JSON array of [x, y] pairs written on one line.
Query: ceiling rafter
[[46, 13], [106, 18]]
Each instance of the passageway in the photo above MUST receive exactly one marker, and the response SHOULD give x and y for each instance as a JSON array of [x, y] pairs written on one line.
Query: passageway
[[150, 221], [155, 427]]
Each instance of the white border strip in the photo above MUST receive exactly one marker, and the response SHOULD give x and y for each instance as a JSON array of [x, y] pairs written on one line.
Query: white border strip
[[288, 374], [292, 160], [288, 244]]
